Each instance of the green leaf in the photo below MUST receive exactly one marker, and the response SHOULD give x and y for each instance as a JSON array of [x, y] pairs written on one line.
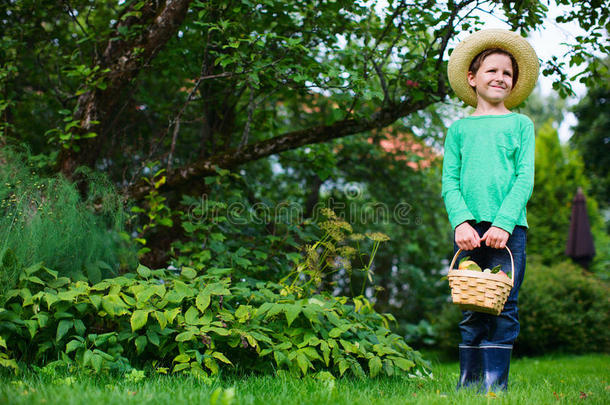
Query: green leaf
[[114, 305], [43, 319], [374, 366], [243, 312], [69, 295], [217, 289], [274, 310], [220, 331], [182, 289], [357, 369], [388, 366], [141, 342], [335, 332], [32, 326], [212, 365], [152, 337], [303, 362], [170, 315], [180, 367], [182, 358], [62, 328], [343, 365], [292, 311], [311, 353], [96, 300], [33, 268], [143, 271], [79, 327], [138, 319], [403, 363], [185, 336], [87, 357], [221, 357], [251, 340], [96, 362], [161, 319], [311, 313], [496, 269], [283, 346], [325, 352], [104, 355], [263, 308], [473, 266], [347, 346], [191, 316], [143, 295], [280, 358], [188, 273], [35, 280], [202, 301]]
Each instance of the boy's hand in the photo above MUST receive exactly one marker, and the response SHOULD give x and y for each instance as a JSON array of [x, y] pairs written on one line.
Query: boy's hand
[[496, 237], [466, 237]]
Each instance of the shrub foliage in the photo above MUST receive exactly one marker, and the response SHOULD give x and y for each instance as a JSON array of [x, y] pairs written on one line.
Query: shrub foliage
[[565, 309], [196, 323]]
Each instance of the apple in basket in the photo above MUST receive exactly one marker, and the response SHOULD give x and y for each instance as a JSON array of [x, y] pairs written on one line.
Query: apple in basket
[[496, 270], [467, 264]]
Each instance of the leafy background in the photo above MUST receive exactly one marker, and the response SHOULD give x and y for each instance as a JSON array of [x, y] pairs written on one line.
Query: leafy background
[[282, 156]]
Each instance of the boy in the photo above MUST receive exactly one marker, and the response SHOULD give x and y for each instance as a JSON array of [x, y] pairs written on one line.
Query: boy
[[488, 177]]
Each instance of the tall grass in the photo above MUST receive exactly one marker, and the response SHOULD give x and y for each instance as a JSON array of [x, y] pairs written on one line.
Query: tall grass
[[548, 380], [45, 219]]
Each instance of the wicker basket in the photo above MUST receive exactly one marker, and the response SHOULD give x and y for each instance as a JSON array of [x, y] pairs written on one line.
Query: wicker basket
[[478, 291]]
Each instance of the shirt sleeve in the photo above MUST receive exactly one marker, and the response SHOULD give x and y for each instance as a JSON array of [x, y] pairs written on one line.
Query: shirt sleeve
[[457, 210], [515, 201]]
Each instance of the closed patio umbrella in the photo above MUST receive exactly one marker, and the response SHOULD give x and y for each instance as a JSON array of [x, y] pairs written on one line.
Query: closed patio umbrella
[[580, 245]]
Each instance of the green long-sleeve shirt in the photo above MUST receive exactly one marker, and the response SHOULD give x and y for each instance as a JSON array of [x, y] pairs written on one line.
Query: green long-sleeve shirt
[[488, 170]]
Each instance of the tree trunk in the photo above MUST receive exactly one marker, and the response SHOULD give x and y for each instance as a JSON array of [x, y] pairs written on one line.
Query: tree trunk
[[124, 58]]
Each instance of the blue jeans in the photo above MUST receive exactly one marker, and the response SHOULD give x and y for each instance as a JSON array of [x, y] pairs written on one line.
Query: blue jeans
[[484, 330]]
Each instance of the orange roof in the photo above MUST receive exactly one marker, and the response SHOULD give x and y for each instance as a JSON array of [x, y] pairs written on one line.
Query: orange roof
[[401, 145]]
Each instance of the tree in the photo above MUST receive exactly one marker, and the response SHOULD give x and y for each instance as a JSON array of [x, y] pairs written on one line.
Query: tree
[[560, 171], [543, 109], [592, 139], [198, 84]]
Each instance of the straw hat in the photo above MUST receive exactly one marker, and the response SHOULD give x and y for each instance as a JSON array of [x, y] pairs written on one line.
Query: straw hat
[[465, 52]]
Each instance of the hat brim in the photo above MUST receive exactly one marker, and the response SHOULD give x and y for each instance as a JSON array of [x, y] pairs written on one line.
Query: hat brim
[[464, 53]]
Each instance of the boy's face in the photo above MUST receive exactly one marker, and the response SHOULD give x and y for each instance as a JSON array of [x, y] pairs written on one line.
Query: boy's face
[[494, 79]]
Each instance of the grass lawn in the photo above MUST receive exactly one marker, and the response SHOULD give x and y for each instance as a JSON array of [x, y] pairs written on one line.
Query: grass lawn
[[545, 380]]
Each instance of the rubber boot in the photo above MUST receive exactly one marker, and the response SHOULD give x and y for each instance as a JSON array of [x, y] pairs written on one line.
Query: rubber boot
[[496, 362], [470, 366]]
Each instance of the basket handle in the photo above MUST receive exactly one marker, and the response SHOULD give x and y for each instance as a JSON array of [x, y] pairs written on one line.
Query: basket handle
[[512, 262]]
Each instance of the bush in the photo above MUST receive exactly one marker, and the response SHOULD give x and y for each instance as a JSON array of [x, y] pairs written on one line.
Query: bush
[[561, 309], [445, 324], [195, 323]]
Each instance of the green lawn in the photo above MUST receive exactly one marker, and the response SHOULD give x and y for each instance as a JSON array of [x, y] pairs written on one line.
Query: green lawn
[[546, 380]]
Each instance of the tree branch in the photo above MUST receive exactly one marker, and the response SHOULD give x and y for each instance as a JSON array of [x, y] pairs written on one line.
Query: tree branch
[[291, 140]]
